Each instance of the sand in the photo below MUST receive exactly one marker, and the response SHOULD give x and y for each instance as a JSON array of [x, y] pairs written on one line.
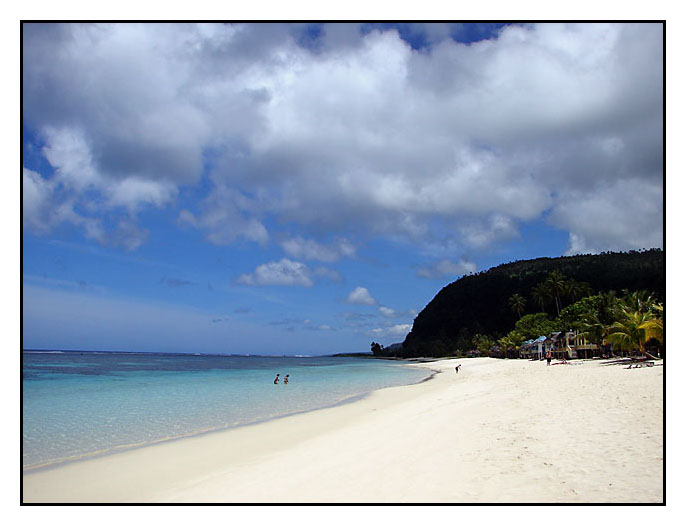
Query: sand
[[500, 431]]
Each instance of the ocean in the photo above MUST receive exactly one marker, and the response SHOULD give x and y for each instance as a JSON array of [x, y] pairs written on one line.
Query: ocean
[[80, 404]]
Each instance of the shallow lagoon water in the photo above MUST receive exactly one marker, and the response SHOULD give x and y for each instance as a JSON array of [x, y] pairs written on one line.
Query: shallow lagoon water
[[80, 404]]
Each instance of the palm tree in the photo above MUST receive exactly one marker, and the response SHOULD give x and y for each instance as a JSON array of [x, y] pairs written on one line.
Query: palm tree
[[510, 341], [633, 330], [482, 343], [556, 283], [541, 295], [655, 326], [592, 328], [640, 300], [577, 289], [607, 306], [517, 303]]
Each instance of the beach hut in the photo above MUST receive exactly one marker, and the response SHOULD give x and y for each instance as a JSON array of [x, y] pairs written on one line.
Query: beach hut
[[555, 342], [525, 350], [580, 347], [539, 346], [532, 349]]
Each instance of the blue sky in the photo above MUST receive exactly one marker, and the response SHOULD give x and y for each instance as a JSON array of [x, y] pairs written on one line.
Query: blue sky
[[306, 189]]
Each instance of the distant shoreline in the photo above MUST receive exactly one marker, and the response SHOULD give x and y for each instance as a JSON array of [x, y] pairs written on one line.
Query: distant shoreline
[[158, 353]]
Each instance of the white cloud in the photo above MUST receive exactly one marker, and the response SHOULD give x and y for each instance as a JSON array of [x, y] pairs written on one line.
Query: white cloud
[[387, 311], [363, 136], [69, 154], [132, 192], [43, 209], [227, 215], [398, 331], [128, 235], [621, 216], [360, 296], [485, 231], [445, 268], [284, 272], [49, 203], [36, 196], [298, 247]]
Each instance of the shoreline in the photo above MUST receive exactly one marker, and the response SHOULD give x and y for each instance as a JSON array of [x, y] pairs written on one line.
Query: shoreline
[[65, 461], [479, 436]]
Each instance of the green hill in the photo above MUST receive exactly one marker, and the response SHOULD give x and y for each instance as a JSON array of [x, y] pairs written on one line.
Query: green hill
[[478, 303]]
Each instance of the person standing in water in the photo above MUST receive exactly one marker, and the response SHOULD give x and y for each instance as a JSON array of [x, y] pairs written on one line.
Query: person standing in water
[[276, 380], [285, 379]]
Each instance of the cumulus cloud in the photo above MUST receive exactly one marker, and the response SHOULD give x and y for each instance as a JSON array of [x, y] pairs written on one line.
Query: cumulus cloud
[[225, 216], [631, 217], [350, 132], [284, 272], [387, 311], [287, 272], [301, 248], [394, 331], [445, 268], [360, 296], [36, 196], [53, 201], [44, 207]]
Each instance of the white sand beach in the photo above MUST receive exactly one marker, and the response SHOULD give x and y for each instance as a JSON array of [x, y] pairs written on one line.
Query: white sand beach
[[500, 431]]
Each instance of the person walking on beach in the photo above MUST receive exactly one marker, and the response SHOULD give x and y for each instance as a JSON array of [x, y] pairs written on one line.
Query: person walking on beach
[[457, 369], [285, 379], [276, 380], [548, 357]]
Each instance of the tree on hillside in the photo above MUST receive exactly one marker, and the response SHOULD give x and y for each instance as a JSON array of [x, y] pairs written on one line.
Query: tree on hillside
[[479, 304], [639, 300], [577, 289], [482, 343], [591, 316], [541, 295], [607, 306], [517, 303], [556, 283], [511, 341], [573, 316], [534, 325]]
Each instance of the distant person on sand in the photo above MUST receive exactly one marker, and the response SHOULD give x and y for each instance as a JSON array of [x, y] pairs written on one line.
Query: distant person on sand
[[548, 357], [276, 380], [457, 369], [285, 379]]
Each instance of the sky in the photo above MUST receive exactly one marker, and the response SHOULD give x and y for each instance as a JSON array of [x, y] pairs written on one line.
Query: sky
[[309, 188]]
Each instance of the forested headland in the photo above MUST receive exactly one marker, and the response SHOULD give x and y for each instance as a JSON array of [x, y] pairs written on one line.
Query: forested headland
[[515, 300]]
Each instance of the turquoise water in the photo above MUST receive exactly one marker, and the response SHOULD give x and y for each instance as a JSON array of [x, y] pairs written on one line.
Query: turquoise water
[[80, 404]]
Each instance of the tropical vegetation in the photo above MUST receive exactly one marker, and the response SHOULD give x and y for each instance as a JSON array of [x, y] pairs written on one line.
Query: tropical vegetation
[[608, 299]]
